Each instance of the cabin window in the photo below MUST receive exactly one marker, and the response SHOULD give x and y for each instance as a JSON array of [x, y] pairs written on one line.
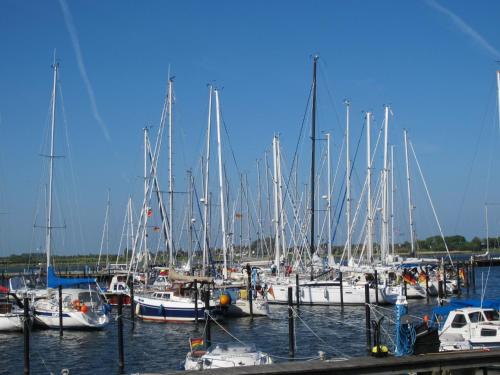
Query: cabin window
[[475, 317], [121, 287], [459, 321], [491, 315], [488, 332], [114, 287]]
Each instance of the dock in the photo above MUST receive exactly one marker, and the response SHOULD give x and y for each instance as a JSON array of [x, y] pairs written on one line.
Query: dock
[[486, 360]]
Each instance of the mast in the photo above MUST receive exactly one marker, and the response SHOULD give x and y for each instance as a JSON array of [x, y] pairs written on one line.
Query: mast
[[348, 180], [369, 229], [410, 204], [221, 184], [385, 221], [190, 211], [170, 173], [498, 95], [392, 200], [313, 159], [280, 200], [259, 210], [276, 206], [48, 239], [205, 193], [145, 222], [329, 200]]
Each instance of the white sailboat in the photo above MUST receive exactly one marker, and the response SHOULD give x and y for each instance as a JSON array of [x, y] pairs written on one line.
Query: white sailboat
[[11, 314], [81, 308]]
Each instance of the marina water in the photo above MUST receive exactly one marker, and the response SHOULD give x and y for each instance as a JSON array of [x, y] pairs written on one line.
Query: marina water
[[152, 347]]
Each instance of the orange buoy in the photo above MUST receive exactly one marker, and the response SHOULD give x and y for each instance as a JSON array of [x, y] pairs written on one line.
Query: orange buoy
[[224, 299], [84, 309]]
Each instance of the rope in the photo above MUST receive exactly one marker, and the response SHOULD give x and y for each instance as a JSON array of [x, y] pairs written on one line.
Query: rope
[[225, 330], [319, 338]]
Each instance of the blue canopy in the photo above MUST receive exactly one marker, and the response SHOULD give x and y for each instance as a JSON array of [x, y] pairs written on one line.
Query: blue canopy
[[54, 281], [454, 304]]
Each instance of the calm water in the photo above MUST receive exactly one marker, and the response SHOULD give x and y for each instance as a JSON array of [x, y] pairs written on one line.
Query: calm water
[[151, 347]]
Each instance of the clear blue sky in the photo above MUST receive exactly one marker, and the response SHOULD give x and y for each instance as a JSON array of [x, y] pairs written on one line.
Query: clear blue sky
[[433, 62]]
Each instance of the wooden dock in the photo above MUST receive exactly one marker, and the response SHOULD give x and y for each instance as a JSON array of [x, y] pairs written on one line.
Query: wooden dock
[[488, 362]]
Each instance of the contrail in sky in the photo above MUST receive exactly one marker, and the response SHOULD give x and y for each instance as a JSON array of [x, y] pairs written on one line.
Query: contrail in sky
[[68, 19], [465, 28]]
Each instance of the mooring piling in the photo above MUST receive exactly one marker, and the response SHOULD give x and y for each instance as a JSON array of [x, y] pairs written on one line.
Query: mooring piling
[[368, 318], [291, 332], [119, 321], [26, 331], [60, 312]]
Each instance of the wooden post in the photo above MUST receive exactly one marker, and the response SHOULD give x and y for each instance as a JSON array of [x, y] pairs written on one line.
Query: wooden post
[[427, 282], [249, 293], [467, 279], [196, 301], [445, 289], [440, 289], [341, 291], [473, 272], [376, 287], [297, 291], [121, 361], [60, 312], [208, 333], [458, 279], [291, 332], [132, 307], [368, 319], [26, 331], [405, 288]]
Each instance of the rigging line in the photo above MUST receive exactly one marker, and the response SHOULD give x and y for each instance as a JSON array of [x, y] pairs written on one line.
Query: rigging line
[[350, 174], [294, 159], [476, 151], [430, 201]]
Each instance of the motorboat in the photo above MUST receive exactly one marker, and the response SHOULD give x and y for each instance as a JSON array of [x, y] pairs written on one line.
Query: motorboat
[[118, 287], [468, 327], [224, 356]]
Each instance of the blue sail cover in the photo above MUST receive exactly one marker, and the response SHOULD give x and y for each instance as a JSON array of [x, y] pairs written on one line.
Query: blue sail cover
[[54, 281]]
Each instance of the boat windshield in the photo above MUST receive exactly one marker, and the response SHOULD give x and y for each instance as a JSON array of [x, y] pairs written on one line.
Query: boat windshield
[[88, 297], [232, 348], [491, 315]]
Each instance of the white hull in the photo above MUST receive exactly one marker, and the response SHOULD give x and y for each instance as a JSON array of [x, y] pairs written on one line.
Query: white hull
[[328, 294], [242, 308], [11, 322]]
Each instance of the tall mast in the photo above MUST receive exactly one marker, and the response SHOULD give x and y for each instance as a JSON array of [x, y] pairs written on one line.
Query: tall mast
[[221, 184], [392, 200], [190, 210], [145, 222], [48, 239], [385, 220], [280, 194], [410, 204], [259, 210], [170, 172], [276, 220], [329, 200], [369, 229], [348, 180], [313, 160], [207, 173], [498, 95]]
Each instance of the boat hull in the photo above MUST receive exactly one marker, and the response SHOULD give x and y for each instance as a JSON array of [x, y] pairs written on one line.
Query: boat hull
[[151, 309]]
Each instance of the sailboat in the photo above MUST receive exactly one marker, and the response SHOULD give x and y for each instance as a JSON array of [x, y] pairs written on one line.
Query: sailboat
[[311, 291], [81, 308]]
